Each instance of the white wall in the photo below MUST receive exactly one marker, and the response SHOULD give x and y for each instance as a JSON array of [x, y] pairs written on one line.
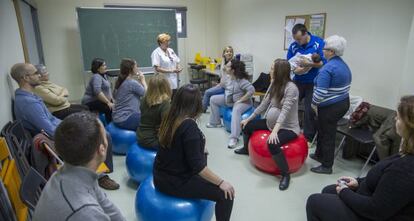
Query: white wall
[[11, 52], [58, 28], [377, 32], [407, 79]]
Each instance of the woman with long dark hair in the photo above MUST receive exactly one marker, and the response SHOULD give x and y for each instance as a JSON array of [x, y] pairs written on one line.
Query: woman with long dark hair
[[180, 167], [128, 93], [281, 117], [98, 95], [238, 94], [386, 193]]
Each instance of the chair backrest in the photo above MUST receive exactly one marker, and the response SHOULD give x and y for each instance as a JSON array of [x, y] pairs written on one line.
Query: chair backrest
[[19, 143], [12, 182], [4, 157], [22, 136], [31, 188], [6, 208]]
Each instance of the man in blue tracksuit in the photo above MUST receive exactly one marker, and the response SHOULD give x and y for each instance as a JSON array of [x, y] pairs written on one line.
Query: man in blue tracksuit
[[305, 44]]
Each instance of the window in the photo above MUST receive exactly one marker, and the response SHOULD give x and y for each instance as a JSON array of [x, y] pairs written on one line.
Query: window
[[29, 29], [181, 16]]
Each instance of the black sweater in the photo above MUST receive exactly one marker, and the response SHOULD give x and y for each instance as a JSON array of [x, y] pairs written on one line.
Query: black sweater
[[185, 157], [386, 193]]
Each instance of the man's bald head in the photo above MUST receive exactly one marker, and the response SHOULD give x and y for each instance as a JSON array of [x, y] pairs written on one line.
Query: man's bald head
[[20, 70]]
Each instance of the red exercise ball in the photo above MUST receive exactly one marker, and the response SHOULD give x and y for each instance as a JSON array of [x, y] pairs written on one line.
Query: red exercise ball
[[295, 152]]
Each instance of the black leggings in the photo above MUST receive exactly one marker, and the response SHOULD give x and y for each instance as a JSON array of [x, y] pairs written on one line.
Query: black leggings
[[73, 108], [199, 188], [99, 106], [327, 206], [284, 135]]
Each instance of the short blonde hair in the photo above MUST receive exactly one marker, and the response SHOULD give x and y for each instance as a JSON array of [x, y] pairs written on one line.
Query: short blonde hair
[[163, 37], [336, 43]]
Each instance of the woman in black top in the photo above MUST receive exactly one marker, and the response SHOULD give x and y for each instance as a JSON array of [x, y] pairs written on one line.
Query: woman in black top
[[386, 193], [180, 167]]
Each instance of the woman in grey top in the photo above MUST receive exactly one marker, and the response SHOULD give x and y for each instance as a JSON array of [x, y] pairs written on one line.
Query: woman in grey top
[[281, 117], [237, 94], [128, 92], [98, 96]]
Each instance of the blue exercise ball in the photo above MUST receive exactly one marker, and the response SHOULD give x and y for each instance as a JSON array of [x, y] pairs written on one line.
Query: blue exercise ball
[[122, 139], [139, 162], [102, 118], [227, 116], [152, 205], [222, 110]]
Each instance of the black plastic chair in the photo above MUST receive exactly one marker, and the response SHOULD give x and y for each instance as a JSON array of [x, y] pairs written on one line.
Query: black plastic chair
[[363, 136], [197, 76], [31, 188], [19, 142]]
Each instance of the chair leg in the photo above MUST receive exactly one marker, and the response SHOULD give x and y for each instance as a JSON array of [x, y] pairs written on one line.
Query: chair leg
[[367, 161], [341, 145], [314, 139]]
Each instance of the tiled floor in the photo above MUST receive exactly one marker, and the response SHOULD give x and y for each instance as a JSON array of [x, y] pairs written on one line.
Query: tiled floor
[[257, 195]]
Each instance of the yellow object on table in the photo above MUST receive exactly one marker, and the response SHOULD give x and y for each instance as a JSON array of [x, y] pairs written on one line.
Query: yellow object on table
[[212, 66], [218, 60], [197, 58], [206, 60]]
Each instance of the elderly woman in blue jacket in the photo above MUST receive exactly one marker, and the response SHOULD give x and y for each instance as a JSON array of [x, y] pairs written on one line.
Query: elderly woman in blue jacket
[[330, 101]]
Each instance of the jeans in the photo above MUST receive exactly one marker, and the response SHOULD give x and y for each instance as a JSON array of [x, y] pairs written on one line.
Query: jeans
[[238, 110], [132, 123], [210, 92]]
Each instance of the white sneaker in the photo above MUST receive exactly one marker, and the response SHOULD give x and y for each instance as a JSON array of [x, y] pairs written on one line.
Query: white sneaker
[[233, 143], [214, 125]]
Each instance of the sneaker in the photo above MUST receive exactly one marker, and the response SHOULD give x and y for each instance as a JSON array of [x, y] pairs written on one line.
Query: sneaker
[[232, 143], [108, 183], [214, 125]]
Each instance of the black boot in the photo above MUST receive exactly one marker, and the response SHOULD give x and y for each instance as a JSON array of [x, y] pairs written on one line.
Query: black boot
[[244, 150], [284, 170]]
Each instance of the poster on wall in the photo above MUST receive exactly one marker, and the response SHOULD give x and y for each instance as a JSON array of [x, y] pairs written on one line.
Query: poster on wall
[[315, 23]]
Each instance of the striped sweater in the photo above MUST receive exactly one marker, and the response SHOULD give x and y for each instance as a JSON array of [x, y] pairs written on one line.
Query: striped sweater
[[332, 83]]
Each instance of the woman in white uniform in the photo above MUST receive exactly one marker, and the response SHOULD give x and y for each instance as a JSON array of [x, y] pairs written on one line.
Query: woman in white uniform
[[165, 61]]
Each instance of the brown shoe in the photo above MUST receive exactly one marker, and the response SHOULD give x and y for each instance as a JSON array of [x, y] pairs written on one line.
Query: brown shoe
[[108, 183]]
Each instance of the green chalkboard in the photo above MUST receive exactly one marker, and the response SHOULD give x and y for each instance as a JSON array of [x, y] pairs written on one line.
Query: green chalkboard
[[115, 33]]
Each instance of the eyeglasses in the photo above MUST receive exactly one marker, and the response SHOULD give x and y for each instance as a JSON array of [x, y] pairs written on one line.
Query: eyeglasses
[[34, 74], [327, 49]]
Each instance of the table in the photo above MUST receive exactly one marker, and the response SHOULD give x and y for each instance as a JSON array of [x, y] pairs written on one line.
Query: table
[[211, 74]]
